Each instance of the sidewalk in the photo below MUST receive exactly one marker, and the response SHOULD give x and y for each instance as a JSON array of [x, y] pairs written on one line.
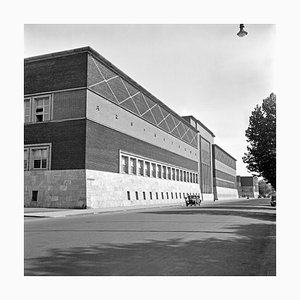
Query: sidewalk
[[39, 212]]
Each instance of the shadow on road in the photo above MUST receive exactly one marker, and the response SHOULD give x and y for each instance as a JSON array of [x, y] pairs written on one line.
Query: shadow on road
[[208, 257], [217, 211]]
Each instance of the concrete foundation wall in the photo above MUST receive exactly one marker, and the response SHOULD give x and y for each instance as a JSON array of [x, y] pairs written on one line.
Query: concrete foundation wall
[[226, 193], [106, 189], [208, 197], [56, 188]]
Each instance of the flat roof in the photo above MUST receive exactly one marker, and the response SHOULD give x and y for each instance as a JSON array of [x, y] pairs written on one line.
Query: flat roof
[[108, 64]]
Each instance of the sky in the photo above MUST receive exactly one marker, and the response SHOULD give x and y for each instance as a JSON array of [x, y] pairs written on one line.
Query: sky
[[202, 70]]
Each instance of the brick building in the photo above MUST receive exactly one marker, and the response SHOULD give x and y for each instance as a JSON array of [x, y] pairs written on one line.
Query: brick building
[[93, 137], [247, 186]]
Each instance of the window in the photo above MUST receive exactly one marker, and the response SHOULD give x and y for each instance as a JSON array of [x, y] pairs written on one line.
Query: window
[[162, 195], [39, 158], [156, 195], [124, 164], [177, 174], [173, 173], [187, 176], [164, 170], [144, 195], [132, 165], [180, 195], [41, 108], [26, 159], [27, 110], [153, 169], [128, 195], [172, 195], [191, 177], [184, 176], [137, 195], [181, 175], [169, 172], [150, 195], [140, 167], [147, 168], [196, 178], [159, 171], [167, 195], [34, 196], [176, 195]]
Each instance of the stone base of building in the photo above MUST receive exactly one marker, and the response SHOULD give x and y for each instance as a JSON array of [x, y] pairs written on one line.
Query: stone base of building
[[105, 189], [96, 189], [208, 197], [226, 193], [57, 189]]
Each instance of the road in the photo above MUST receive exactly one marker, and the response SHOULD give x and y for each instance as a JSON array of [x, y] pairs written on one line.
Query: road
[[218, 239]]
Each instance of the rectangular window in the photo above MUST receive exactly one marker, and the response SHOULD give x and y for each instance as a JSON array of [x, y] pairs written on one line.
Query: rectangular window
[[144, 195], [164, 172], [124, 160], [128, 195], [180, 195], [181, 175], [176, 195], [196, 178], [26, 152], [39, 158], [156, 195], [137, 195], [187, 176], [162, 195], [41, 108], [150, 195], [173, 174], [184, 176], [141, 167], [153, 169], [167, 195], [177, 174], [27, 110], [169, 173], [159, 171], [34, 196], [191, 177], [132, 166], [172, 195], [147, 168]]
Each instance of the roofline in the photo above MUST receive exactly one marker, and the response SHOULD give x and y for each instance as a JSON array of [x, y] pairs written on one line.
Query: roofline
[[215, 145], [111, 66], [196, 120]]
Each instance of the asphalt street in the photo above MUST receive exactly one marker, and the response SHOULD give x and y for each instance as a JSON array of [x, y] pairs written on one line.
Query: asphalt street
[[218, 239]]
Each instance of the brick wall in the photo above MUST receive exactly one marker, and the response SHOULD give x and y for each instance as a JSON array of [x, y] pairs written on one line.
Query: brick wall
[[67, 138], [58, 73], [103, 145]]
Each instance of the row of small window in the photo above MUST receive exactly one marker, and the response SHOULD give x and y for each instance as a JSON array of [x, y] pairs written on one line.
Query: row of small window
[[37, 109], [157, 195], [141, 167], [36, 158]]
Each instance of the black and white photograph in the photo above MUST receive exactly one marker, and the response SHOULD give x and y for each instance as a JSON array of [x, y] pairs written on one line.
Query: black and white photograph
[[148, 154]]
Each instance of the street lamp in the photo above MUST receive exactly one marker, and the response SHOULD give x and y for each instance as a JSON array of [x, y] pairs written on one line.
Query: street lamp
[[242, 32]]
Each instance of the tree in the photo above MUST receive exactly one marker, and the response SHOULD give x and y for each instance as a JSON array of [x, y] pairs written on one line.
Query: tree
[[261, 136], [264, 188]]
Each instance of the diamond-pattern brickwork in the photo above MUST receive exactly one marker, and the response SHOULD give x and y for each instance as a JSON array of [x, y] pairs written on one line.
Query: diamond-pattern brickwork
[[114, 88]]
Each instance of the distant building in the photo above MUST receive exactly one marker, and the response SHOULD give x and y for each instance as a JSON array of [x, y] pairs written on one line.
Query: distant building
[[247, 186], [224, 174]]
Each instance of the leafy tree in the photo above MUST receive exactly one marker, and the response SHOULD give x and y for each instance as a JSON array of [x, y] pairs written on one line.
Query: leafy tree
[[261, 136], [264, 188]]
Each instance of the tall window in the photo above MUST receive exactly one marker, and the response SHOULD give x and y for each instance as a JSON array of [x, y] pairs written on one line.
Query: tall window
[[26, 165], [168, 172], [39, 158], [177, 174], [147, 168], [140, 167], [132, 165], [173, 173], [124, 163], [164, 172], [159, 171], [27, 110], [37, 109], [153, 169], [41, 108]]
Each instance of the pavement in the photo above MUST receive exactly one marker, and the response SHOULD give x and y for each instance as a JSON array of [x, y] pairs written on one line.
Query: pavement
[[39, 212]]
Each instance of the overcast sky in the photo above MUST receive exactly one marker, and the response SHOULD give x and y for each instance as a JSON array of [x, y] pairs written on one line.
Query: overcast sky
[[202, 70]]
